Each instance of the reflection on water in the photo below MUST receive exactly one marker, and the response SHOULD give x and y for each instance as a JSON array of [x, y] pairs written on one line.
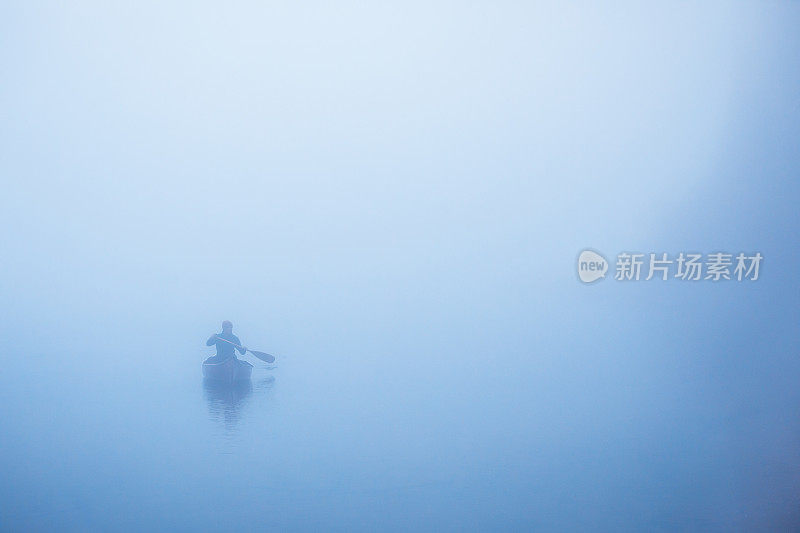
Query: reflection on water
[[226, 401], [263, 384]]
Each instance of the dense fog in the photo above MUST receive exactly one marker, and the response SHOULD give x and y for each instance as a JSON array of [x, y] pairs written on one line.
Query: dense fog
[[391, 200]]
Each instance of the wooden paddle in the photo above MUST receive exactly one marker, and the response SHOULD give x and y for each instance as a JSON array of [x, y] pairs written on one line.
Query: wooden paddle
[[267, 358]]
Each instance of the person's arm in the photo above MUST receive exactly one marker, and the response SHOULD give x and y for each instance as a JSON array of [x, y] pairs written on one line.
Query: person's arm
[[242, 349], [212, 340]]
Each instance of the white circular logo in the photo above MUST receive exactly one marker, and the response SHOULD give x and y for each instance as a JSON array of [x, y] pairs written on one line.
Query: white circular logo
[[591, 266]]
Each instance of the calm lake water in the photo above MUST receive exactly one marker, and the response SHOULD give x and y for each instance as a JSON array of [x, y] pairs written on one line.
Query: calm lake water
[[475, 431]]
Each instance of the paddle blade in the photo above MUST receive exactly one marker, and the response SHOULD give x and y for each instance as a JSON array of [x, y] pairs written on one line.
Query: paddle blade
[[267, 358]]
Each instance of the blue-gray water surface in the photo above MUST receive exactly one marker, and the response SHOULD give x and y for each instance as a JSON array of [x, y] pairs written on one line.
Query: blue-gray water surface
[[524, 424]]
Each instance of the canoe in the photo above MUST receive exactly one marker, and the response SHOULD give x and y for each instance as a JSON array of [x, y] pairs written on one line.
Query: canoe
[[230, 370]]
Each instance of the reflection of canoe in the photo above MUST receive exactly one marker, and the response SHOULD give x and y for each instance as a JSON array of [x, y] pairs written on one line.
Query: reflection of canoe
[[228, 371], [226, 400]]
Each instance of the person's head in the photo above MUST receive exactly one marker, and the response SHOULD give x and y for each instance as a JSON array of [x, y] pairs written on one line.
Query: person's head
[[227, 326]]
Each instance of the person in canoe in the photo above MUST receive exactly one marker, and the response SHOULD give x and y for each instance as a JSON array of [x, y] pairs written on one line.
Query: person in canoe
[[225, 349]]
